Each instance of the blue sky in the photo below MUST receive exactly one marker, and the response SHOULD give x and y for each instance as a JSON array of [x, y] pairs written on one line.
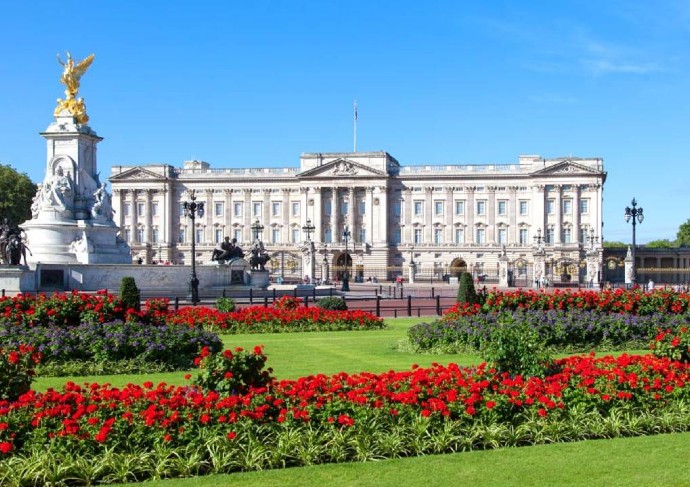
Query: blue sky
[[255, 84]]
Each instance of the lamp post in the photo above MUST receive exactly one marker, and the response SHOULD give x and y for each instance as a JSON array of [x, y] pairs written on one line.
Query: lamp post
[[539, 240], [257, 229], [192, 209], [346, 276], [592, 239], [636, 215], [308, 229]]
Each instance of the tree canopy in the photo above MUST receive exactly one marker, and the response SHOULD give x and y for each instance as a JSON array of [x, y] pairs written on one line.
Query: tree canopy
[[661, 244], [683, 235], [16, 193], [612, 244]]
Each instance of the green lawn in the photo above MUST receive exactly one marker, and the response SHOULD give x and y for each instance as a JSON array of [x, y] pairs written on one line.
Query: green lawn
[[645, 461], [294, 355]]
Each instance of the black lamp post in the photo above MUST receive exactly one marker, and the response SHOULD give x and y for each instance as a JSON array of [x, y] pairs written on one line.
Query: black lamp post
[[636, 215], [192, 209], [346, 276], [592, 239], [538, 239], [308, 229], [257, 229]]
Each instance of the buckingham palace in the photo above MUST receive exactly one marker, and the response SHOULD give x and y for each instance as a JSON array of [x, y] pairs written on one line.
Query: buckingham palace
[[540, 217]]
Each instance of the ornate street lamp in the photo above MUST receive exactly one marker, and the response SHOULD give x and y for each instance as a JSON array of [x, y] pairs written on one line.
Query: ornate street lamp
[[257, 229], [192, 209], [346, 276], [592, 239], [636, 215], [308, 229], [538, 239]]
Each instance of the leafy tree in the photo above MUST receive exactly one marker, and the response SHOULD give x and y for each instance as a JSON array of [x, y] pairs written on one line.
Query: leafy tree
[[129, 293], [613, 244], [16, 193], [683, 235], [661, 244]]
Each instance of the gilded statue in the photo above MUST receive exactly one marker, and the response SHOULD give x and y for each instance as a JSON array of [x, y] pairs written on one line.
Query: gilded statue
[[71, 75]]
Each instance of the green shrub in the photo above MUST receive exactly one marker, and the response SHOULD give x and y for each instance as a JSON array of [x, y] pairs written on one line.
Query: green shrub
[[231, 372], [129, 293], [333, 303], [516, 347], [672, 344], [466, 292], [225, 305], [17, 366]]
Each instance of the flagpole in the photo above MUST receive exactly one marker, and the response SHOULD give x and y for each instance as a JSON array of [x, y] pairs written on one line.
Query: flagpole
[[355, 121]]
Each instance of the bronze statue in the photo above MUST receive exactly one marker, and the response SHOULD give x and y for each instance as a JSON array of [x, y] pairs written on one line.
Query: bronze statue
[[259, 257], [12, 248], [71, 75], [228, 250]]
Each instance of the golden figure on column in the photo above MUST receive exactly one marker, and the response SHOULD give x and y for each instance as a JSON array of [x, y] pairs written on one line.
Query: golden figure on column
[[70, 78]]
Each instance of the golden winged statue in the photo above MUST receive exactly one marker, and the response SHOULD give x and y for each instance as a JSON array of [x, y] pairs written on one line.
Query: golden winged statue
[[70, 78]]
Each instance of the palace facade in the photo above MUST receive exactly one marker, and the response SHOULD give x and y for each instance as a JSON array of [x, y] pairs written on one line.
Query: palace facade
[[444, 218]]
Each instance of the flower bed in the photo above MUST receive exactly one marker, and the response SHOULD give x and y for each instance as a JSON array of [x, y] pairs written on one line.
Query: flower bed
[[286, 315], [109, 343], [342, 417], [565, 330], [633, 301]]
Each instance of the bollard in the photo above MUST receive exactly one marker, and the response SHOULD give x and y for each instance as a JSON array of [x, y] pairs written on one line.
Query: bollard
[[395, 313], [251, 296], [330, 291], [224, 293], [438, 305], [409, 305], [306, 301], [378, 305], [274, 294], [294, 292], [419, 312], [3, 293], [177, 303], [432, 291], [265, 301], [313, 293]]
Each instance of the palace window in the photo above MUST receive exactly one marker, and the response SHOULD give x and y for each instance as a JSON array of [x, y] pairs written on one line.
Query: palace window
[[567, 235], [362, 207], [275, 235], [567, 207], [550, 206], [140, 209], [459, 207], [237, 209], [128, 209], [438, 208], [502, 236], [584, 206], [481, 207], [345, 207], [218, 235], [295, 208], [524, 236], [502, 207], [480, 236], [328, 235], [237, 234], [438, 236], [418, 208], [397, 235], [275, 208], [459, 235], [154, 208], [200, 235], [295, 235], [141, 236], [256, 209], [181, 236], [397, 208], [418, 236], [219, 208], [523, 207], [362, 235], [154, 235], [549, 236]]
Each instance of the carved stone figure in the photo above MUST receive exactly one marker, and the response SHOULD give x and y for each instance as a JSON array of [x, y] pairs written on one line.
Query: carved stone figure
[[102, 206], [14, 250], [58, 191]]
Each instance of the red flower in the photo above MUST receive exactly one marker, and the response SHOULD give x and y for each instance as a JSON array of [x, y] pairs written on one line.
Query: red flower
[[6, 447]]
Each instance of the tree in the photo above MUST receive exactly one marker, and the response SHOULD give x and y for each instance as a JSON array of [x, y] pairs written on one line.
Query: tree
[[660, 244], [466, 292], [683, 235], [16, 193], [613, 244]]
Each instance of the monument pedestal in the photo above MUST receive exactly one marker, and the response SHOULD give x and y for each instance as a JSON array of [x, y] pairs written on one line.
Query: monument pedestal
[[258, 279]]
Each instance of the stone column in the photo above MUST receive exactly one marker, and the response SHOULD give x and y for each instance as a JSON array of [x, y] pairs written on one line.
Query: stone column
[[266, 217], [512, 212], [285, 230], [491, 216], [228, 215], [407, 230], [576, 213], [133, 215], [369, 213], [428, 215], [247, 216], [148, 230], [469, 212], [318, 214], [503, 271], [383, 212], [335, 230], [559, 215], [448, 236], [351, 212]]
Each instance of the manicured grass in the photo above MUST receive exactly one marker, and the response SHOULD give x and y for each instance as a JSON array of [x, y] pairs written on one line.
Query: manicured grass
[[294, 355], [644, 461]]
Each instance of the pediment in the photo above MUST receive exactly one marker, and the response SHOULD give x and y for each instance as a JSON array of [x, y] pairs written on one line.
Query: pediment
[[566, 168], [341, 168], [137, 173]]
